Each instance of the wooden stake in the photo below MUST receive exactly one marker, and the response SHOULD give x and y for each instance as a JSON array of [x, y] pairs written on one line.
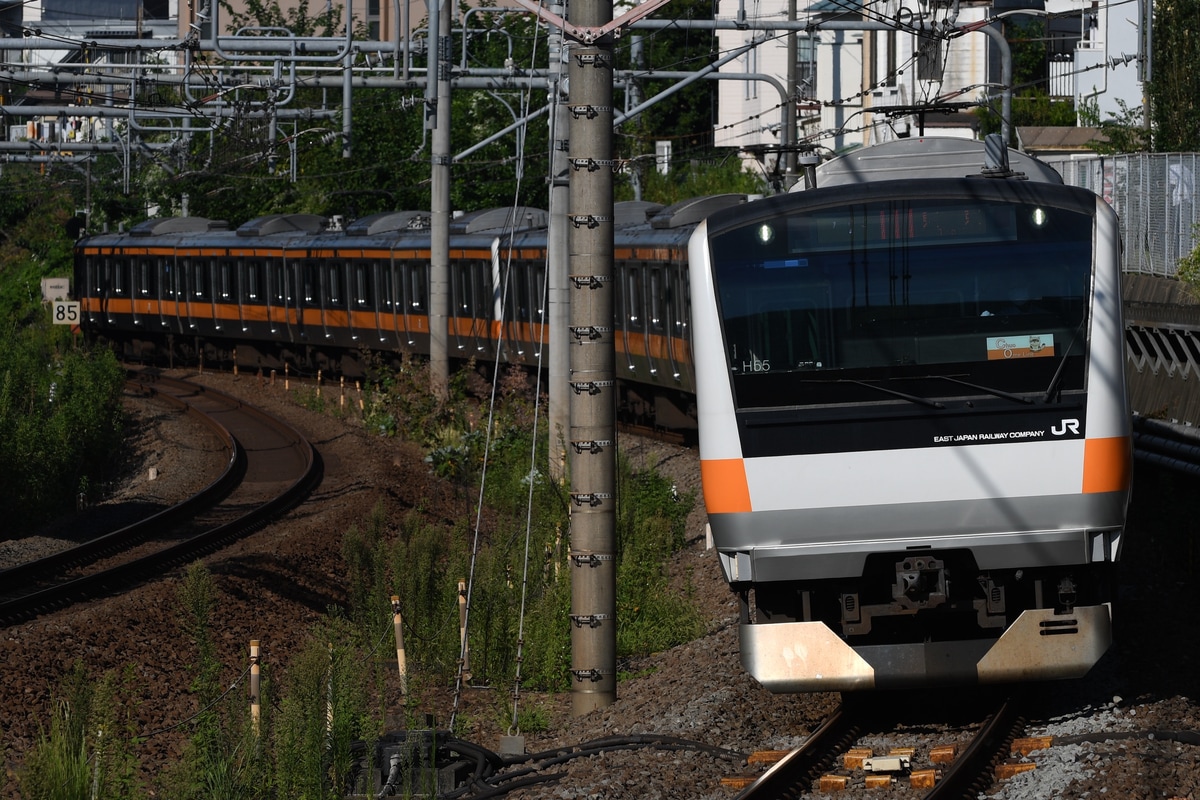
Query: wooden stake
[[255, 677], [462, 630], [400, 658]]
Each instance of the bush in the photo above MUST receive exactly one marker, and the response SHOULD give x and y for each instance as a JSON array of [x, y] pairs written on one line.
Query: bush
[[61, 421], [1188, 269]]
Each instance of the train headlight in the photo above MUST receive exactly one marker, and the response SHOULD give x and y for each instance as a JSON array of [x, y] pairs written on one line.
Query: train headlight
[[765, 233], [1039, 217]]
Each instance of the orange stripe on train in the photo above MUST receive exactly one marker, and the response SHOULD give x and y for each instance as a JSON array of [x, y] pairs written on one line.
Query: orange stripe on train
[[1107, 464], [726, 490]]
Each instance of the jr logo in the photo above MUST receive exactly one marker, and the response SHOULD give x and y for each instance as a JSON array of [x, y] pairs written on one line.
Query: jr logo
[[1071, 425]]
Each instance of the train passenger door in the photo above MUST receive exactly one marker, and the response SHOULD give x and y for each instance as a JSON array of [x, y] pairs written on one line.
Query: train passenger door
[[335, 310], [656, 321], [362, 297], [462, 306], [145, 288], [633, 317], [253, 296], [225, 295], [171, 294], [280, 295], [194, 271], [389, 310], [678, 313], [526, 310], [312, 300]]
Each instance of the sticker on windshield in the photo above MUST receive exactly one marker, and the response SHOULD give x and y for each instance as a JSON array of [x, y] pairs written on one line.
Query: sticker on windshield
[[1033, 345]]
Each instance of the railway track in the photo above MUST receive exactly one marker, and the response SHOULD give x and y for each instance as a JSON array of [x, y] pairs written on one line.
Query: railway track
[[830, 760], [271, 467]]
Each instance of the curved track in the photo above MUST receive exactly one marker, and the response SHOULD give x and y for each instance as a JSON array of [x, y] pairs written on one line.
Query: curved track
[[271, 467]]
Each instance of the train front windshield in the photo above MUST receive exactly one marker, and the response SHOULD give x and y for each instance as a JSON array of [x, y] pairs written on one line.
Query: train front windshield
[[821, 305]]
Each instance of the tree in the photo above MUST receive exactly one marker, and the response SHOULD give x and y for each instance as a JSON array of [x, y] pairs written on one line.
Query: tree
[[1175, 88]]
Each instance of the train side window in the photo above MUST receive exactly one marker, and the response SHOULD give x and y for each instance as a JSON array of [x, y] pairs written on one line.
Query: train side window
[[657, 299], [278, 279], [310, 275], [99, 271], [538, 300], [199, 271], [114, 275], [633, 292], [254, 278], [226, 278], [418, 275], [334, 292], [168, 279], [385, 281], [481, 290], [362, 285], [145, 275], [460, 291]]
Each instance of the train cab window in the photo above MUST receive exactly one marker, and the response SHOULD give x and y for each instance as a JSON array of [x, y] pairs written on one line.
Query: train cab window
[[362, 285], [912, 289], [334, 291]]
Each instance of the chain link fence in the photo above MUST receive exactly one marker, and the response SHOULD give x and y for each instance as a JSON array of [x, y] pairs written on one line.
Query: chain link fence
[[1155, 196]]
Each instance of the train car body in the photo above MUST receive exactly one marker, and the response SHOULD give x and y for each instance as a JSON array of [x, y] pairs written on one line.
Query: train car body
[[301, 291], [913, 427]]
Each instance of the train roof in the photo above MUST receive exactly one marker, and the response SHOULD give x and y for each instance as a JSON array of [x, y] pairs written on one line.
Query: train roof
[[165, 226], [273, 224], [923, 157]]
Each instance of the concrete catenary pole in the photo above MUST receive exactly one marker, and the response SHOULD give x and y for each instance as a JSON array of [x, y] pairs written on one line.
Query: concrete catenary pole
[[558, 292], [592, 451], [439, 218]]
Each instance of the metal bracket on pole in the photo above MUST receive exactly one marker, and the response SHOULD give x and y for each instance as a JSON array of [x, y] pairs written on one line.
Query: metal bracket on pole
[[592, 332], [591, 559], [589, 281], [592, 499], [591, 445], [591, 387], [589, 221], [588, 35], [591, 620]]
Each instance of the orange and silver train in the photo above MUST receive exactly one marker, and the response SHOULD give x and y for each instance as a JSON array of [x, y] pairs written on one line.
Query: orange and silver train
[[914, 432], [315, 294]]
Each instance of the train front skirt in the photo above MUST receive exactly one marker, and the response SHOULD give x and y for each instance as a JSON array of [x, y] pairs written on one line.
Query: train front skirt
[[1040, 645]]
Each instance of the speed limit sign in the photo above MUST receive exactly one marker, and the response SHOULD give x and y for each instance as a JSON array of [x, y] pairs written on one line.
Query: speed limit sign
[[65, 313]]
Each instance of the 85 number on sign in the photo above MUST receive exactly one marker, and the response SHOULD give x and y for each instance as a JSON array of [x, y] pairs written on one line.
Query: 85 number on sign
[[65, 313]]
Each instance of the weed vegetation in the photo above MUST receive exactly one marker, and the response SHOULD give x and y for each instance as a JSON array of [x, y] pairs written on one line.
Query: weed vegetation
[[322, 713]]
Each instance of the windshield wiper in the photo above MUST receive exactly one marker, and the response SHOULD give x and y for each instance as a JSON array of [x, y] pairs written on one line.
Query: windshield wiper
[[1058, 372], [912, 398], [1016, 398]]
